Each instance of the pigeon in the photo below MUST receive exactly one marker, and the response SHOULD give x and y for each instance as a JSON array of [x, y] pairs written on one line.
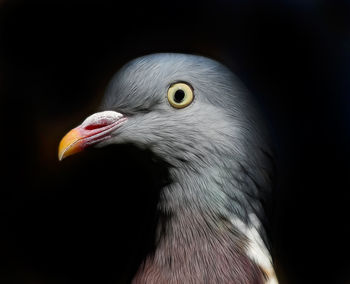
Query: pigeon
[[196, 116]]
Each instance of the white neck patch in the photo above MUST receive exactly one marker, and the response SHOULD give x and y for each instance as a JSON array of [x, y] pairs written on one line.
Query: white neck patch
[[256, 249]]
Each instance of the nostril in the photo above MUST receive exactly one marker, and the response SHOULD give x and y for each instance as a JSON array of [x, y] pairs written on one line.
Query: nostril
[[97, 124], [100, 120]]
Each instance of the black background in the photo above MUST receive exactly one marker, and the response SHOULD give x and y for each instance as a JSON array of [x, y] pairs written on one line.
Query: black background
[[70, 222]]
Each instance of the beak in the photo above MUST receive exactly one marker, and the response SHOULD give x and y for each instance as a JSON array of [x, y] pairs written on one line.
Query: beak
[[96, 128], [71, 143]]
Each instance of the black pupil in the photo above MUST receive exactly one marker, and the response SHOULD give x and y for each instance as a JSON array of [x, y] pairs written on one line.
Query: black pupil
[[179, 96]]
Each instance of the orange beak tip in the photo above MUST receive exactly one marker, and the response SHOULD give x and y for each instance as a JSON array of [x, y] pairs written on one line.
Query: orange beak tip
[[70, 144]]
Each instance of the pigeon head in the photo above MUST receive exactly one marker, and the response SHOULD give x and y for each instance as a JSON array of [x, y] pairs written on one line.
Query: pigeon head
[[195, 115], [176, 105], [188, 110]]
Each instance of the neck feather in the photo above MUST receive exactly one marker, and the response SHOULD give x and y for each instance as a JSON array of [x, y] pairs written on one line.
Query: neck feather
[[196, 246]]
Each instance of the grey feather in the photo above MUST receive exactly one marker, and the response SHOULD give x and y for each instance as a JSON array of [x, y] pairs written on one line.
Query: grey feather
[[220, 161], [218, 145]]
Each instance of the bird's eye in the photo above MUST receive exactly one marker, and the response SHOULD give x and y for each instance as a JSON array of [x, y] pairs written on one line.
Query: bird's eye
[[180, 95]]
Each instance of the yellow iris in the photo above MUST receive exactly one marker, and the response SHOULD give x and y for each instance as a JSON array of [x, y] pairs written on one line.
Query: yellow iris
[[180, 95]]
